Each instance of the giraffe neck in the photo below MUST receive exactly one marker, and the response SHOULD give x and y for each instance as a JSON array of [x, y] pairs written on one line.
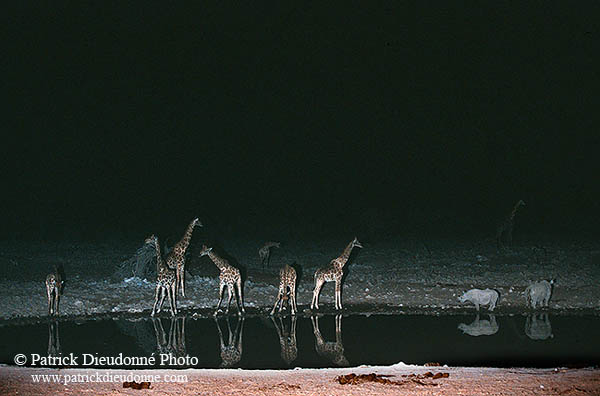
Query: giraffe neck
[[514, 212], [219, 262], [183, 244], [343, 259], [160, 264]]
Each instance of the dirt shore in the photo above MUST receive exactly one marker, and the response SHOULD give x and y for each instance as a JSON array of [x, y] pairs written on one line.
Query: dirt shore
[[408, 380]]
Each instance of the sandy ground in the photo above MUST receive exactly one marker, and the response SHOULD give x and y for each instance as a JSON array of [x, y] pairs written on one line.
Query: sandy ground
[[461, 381], [394, 274]]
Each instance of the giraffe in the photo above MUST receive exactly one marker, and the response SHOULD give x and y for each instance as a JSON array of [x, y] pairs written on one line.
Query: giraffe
[[505, 227], [333, 273], [287, 340], [230, 277], [54, 286], [165, 280], [54, 348], [176, 257], [265, 252], [333, 351], [231, 353], [287, 279]]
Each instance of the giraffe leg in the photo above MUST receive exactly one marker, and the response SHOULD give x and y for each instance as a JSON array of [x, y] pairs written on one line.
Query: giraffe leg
[[49, 293], [182, 281], [239, 289], [221, 290], [279, 297], [315, 302], [230, 293], [172, 294], [56, 300], [338, 294], [156, 297], [163, 294], [293, 298]]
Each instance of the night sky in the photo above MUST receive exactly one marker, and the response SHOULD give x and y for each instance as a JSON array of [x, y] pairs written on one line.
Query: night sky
[[335, 118]]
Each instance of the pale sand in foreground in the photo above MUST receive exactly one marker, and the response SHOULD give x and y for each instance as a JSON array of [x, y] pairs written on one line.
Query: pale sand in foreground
[[461, 381]]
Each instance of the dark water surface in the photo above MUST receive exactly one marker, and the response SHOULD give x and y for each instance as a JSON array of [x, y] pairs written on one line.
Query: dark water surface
[[536, 340]]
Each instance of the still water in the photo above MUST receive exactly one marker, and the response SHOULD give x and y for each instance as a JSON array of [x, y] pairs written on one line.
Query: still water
[[535, 340]]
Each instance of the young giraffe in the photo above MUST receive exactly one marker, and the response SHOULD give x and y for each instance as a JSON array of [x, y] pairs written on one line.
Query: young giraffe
[[287, 279], [231, 353], [287, 340], [176, 257], [506, 226], [333, 273], [229, 276], [165, 280], [54, 285], [333, 351], [265, 252]]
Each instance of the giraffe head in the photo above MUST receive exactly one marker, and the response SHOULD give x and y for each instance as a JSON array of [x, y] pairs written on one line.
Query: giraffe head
[[197, 222], [151, 240], [205, 250], [520, 203], [356, 243]]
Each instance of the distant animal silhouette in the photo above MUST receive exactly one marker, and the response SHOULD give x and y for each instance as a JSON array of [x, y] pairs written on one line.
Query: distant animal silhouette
[[505, 227], [54, 286], [176, 257], [229, 276], [539, 293], [287, 280], [265, 252], [481, 297], [165, 280], [332, 351], [538, 327], [333, 272], [480, 327]]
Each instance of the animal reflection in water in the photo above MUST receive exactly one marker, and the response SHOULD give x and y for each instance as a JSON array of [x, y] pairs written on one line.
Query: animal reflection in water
[[174, 343], [480, 327], [333, 351], [287, 339], [537, 327], [53, 339], [231, 353]]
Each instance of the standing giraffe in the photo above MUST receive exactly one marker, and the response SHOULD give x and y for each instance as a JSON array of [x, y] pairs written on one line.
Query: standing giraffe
[[265, 252], [165, 280], [333, 351], [229, 276], [505, 227], [287, 340], [287, 279], [333, 273], [176, 258], [54, 285], [231, 353]]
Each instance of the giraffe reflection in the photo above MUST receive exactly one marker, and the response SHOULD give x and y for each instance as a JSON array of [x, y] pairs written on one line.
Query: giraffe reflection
[[231, 353], [287, 339], [333, 351], [174, 343], [54, 348]]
